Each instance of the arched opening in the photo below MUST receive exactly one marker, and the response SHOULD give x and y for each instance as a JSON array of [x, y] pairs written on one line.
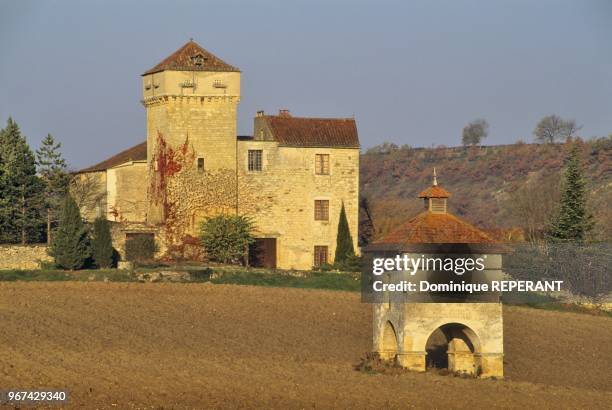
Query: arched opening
[[455, 347], [389, 342]]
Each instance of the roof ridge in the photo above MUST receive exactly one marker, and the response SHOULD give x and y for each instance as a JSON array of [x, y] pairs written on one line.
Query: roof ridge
[[310, 118], [136, 152]]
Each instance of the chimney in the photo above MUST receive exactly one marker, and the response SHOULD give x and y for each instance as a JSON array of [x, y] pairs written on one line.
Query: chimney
[[284, 113], [260, 113]]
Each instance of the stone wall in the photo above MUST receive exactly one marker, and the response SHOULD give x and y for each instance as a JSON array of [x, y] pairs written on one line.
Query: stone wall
[[201, 119], [120, 231], [402, 331], [23, 256], [89, 191], [184, 194], [209, 124], [127, 192], [281, 198]]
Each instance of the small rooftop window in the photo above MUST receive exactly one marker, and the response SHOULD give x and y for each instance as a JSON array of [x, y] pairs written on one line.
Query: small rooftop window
[[198, 60]]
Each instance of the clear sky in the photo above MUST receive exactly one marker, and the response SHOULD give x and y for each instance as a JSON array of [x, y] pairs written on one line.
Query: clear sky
[[412, 72]]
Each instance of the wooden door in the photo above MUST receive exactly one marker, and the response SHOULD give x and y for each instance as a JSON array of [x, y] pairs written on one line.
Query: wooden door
[[262, 253]]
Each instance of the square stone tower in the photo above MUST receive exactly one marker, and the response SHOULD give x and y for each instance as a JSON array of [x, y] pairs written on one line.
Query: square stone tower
[[458, 332], [191, 100]]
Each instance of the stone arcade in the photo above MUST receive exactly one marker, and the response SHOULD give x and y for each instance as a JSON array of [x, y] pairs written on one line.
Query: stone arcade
[[464, 337], [292, 176]]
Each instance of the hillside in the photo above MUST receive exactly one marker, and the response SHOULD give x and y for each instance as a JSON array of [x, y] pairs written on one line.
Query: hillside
[[133, 345], [481, 180]]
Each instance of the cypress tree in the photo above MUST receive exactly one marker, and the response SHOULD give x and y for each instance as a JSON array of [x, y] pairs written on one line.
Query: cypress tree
[[344, 241], [573, 221], [101, 244], [70, 247], [53, 173], [21, 191]]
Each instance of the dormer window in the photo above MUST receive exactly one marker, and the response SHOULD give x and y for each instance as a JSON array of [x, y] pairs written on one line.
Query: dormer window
[[438, 205], [198, 60], [435, 197]]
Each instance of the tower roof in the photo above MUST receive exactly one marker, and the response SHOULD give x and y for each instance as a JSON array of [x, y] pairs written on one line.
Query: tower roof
[[191, 57], [435, 191]]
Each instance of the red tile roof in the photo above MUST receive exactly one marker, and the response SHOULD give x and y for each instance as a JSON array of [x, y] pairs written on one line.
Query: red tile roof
[[438, 232], [135, 153], [313, 132], [435, 191], [436, 228], [182, 60]]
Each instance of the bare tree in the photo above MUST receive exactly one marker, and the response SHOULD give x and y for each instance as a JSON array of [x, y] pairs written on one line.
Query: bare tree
[[384, 148], [583, 268], [475, 132], [366, 222], [532, 205], [88, 192], [554, 128]]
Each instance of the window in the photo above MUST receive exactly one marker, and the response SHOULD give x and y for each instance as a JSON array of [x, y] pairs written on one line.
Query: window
[[198, 60], [322, 164], [200, 165], [321, 210], [320, 255], [219, 84], [255, 160]]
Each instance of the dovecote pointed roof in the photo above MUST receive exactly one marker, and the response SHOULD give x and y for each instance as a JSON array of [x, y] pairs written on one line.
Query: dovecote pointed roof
[[437, 228], [435, 191], [428, 227], [191, 57]]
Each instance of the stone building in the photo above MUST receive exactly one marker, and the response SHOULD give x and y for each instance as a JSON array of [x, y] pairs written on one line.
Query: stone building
[[463, 333], [292, 176]]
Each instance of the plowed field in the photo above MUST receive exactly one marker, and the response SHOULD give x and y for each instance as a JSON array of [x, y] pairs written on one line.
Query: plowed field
[[133, 345]]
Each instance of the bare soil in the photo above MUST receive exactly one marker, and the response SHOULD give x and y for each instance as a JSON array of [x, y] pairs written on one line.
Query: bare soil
[[164, 345]]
